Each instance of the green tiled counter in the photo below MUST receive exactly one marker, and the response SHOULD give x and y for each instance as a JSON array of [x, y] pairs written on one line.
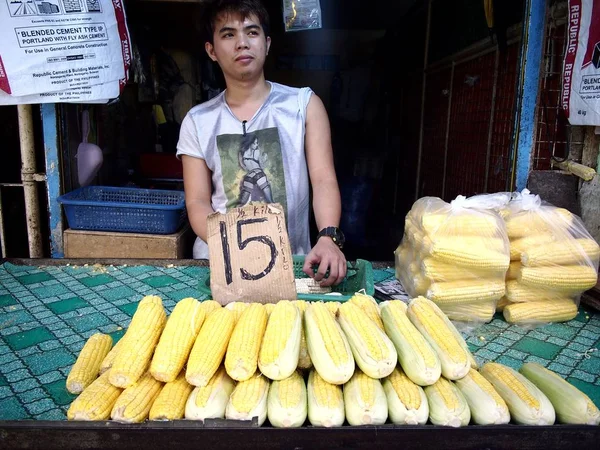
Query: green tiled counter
[[48, 311]]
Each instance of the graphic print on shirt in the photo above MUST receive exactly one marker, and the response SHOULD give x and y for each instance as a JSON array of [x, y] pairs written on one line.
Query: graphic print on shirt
[[252, 168]]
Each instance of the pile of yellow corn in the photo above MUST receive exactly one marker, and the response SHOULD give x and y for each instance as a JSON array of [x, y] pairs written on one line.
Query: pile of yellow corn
[[456, 257], [356, 362], [553, 260]]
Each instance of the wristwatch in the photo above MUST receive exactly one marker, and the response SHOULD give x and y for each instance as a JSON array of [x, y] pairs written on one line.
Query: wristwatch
[[335, 234]]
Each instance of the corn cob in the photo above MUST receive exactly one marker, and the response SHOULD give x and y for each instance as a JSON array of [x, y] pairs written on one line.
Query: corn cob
[[325, 402], [513, 270], [517, 293], [533, 223], [435, 270], [170, 403], [502, 303], [209, 306], [210, 401], [96, 400], [333, 307], [269, 307], [87, 366], [419, 241], [238, 308], [328, 346], [567, 279], [526, 403], [443, 336], [372, 349], [470, 312], [307, 285], [571, 405], [447, 404], [416, 356], [134, 403], [241, 359], [141, 338], [488, 254], [486, 405], [249, 399], [370, 307], [518, 246], [287, 402], [209, 348], [177, 339], [461, 224], [466, 291], [304, 361], [407, 403], [280, 347], [109, 359], [421, 284], [364, 400], [568, 252], [547, 311]]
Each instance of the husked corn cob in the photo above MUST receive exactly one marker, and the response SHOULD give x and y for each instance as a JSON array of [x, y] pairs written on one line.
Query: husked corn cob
[[513, 270], [249, 399], [238, 308], [210, 401], [373, 350], [421, 284], [280, 347], [470, 312], [241, 359], [466, 291], [333, 307], [287, 402], [568, 252], [304, 361], [526, 403], [328, 346], [407, 403], [480, 253], [533, 222], [461, 224], [96, 400], [269, 307], [416, 356], [442, 335], [419, 241], [170, 403], [556, 310], [210, 346], [369, 305], [518, 292], [518, 246], [177, 339], [447, 404], [141, 338], [436, 270], [134, 403], [486, 405], [325, 402], [87, 366], [307, 285], [567, 279], [109, 359], [209, 306], [502, 303], [364, 400], [570, 404]]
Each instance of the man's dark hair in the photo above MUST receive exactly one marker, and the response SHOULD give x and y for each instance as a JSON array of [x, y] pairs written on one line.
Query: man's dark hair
[[212, 9]]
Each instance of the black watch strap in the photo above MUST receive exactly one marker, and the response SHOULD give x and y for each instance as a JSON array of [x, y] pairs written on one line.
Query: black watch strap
[[335, 234]]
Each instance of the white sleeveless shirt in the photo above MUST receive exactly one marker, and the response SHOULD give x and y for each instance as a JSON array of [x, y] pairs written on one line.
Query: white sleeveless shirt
[[261, 159]]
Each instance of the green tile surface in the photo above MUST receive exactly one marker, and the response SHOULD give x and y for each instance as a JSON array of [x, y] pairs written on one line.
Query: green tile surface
[[47, 313]]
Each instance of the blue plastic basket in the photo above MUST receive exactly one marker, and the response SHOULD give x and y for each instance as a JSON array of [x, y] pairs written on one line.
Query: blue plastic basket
[[124, 209]]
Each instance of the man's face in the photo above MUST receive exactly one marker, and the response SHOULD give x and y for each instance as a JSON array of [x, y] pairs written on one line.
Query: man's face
[[240, 46]]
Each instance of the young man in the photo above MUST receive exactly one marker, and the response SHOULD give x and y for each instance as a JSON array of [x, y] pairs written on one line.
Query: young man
[[220, 171]]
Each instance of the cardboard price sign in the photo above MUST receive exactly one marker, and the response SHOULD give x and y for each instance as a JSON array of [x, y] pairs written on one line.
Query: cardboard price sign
[[250, 255]]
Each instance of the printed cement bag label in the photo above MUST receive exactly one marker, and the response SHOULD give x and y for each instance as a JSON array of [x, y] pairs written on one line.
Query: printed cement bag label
[[581, 70], [62, 45]]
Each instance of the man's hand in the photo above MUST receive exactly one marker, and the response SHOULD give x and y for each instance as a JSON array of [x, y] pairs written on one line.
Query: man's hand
[[328, 256]]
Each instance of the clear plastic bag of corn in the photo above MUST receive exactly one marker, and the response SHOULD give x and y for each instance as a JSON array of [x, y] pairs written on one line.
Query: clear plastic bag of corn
[[456, 254], [554, 259]]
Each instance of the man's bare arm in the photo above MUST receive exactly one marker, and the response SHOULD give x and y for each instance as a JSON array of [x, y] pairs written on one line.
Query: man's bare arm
[[197, 183]]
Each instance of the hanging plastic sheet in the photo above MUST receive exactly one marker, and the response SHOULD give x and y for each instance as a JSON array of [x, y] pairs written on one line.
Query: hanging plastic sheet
[[301, 15]]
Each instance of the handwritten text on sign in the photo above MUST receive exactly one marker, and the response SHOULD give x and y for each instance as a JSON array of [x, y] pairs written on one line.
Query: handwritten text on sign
[[250, 255]]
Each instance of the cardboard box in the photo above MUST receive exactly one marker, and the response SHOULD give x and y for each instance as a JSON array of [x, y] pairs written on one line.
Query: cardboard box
[[108, 244]]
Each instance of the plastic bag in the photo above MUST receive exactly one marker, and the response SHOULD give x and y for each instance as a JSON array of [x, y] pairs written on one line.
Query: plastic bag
[[554, 260], [456, 254]]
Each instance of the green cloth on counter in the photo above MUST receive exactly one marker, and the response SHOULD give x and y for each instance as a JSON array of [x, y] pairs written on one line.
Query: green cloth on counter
[[48, 312]]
